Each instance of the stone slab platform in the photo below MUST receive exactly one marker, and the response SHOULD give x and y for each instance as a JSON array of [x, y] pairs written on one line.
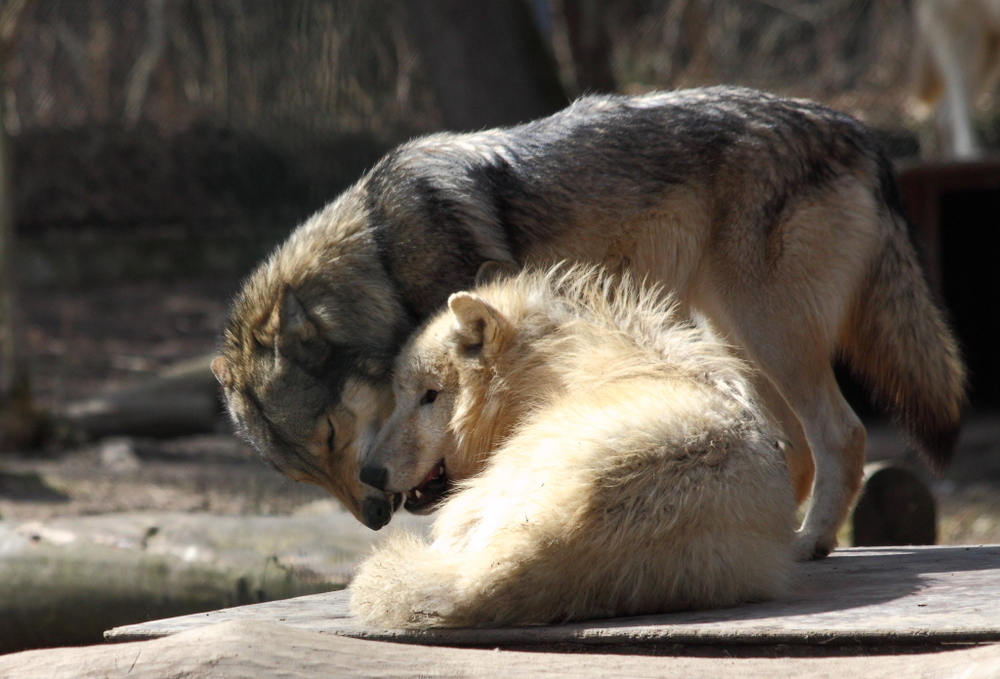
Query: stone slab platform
[[857, 600]]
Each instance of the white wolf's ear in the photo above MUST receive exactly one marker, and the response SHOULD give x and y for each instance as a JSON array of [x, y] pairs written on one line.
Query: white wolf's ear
[[479, 328], [492, 271]]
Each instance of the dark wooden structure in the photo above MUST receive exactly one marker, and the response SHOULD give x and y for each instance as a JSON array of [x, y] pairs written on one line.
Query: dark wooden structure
[[925, 185], [955, 212]]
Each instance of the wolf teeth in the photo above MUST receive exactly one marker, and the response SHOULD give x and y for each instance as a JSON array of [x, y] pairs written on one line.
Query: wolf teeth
[[416, 494]]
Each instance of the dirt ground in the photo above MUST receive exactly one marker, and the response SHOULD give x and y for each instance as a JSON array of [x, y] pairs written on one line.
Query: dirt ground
[[83, 340]]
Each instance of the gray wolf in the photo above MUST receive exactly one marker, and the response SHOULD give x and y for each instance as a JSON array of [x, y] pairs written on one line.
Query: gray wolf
[[958, 62], [604, 460], [778, 219]]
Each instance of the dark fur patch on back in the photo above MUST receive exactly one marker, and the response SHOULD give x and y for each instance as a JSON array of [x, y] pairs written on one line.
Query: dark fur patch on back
[[423, 242], [524, 216], [383, 249]]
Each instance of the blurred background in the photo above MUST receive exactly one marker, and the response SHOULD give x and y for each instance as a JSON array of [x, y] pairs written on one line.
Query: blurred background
[[151, 152]]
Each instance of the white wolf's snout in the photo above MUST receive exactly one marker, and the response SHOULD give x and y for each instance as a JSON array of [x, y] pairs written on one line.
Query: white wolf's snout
[[384, 463]]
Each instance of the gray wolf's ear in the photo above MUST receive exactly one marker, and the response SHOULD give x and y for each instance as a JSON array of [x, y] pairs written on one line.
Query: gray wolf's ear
[[479, 328], [293, 321], [492, 271], [292, 334], [221, 371], [287, 322]]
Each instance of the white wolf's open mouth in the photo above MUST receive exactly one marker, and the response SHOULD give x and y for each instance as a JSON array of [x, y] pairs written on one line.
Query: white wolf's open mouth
[[431, 491]]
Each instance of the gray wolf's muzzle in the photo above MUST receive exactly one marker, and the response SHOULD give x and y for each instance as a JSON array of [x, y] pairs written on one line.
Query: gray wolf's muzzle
[[376, 511], [375, 477]]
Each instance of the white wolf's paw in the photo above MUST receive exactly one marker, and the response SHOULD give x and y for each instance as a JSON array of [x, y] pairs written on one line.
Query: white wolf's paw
[[398, 605], [402, 586], [809, 546]]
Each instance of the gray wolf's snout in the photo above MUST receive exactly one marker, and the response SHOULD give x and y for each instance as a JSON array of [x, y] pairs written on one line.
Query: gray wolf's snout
[[376, 477], [376, 512]]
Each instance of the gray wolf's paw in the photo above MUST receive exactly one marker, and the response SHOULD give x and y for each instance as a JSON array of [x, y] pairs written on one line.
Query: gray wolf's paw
[[808, 546]]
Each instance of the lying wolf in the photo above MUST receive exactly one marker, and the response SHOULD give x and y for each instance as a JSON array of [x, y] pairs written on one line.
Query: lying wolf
[[603, 460], [778, 219]]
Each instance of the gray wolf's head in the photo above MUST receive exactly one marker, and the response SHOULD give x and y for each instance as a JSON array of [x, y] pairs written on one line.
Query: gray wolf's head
[[306, 357]]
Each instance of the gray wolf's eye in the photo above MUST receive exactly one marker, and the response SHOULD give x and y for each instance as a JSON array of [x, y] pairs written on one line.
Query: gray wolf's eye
[[428, 397]]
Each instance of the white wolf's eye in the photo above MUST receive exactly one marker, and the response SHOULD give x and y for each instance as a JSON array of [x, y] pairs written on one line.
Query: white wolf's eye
[[428, 397]]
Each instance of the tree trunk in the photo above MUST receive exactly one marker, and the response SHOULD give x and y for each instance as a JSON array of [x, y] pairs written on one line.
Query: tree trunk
[[487, 62], [142, 70], [590, 45], [20, 423]]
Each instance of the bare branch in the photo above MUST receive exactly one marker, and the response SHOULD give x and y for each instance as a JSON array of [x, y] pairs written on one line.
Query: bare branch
[[75, 48], [138, 81]]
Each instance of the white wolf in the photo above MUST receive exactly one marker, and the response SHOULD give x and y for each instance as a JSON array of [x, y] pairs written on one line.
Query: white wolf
[[596, 458]]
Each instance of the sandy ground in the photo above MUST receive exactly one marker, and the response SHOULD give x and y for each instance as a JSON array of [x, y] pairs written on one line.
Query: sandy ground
[[84, 340]]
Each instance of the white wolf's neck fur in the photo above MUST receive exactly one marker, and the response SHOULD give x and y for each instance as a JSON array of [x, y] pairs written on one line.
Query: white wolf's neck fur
[[557, 334]]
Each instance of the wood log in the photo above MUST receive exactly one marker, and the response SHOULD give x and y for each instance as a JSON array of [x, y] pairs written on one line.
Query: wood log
[[21, 424], [895, 508], [181, 401], [250, 649]]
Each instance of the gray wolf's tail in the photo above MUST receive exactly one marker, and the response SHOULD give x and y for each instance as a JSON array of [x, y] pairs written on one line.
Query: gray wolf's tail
[[899, 345]]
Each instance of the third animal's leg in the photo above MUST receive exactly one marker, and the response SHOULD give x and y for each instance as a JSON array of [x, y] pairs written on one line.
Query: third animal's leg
[[941, 32]]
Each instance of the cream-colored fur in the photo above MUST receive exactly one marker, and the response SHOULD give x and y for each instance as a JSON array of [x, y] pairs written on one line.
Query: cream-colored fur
[[608, 460]]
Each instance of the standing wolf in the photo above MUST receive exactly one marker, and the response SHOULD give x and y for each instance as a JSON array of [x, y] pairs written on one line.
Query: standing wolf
[[778, 219], [605, 460]]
